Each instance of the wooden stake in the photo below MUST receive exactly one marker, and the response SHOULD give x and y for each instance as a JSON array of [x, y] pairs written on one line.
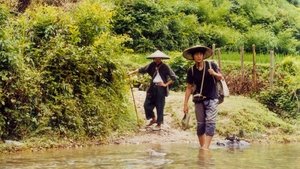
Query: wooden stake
[[242, 62], [272, 67], [213, 51], [219, 57], [254, 68]]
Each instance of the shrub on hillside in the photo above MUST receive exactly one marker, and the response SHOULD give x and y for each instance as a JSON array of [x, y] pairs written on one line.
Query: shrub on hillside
[[62, 74], [283, 98], [170, 25], [180, 66], [156, 25]]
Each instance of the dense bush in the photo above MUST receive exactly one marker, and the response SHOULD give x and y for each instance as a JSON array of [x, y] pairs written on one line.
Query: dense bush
[[283, 98], [169, 25], [153, 25], [294, 2], [180, 66], [62, 75], [261, 37]]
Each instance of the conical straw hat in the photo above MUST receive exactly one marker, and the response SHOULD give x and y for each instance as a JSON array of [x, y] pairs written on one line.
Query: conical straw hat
[[188, 53], [158, 54]]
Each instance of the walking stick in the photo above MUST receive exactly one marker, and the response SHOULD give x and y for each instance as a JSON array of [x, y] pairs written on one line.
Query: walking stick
[[136, 113]]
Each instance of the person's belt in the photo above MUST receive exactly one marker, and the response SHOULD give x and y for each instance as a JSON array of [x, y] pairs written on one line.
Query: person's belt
[[156, 84]]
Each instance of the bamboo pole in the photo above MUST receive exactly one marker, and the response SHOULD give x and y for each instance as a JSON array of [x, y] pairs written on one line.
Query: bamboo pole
[[272, 67], [134, 104], [213, 51], [242, 62], [219, 57], [254, 79]]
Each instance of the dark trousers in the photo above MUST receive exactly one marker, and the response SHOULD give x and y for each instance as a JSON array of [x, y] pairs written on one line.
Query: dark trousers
[[155, 99]]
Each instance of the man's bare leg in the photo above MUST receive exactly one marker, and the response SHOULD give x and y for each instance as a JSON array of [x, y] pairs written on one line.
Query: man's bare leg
[[207, 142], [201, 140]]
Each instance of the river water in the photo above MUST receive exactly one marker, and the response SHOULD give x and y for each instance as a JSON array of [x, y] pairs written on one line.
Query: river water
[[144, 156]]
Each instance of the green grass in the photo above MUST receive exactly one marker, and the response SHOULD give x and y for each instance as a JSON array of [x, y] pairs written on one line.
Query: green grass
[[248, 57], [227, 57], [239, 114]]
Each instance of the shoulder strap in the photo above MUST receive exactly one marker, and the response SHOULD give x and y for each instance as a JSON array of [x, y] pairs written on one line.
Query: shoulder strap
[[202, 81], [209, 63], [156, 69]]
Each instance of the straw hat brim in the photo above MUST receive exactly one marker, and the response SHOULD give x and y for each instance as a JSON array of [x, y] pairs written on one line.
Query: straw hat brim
[[158, 54], [188, 53]]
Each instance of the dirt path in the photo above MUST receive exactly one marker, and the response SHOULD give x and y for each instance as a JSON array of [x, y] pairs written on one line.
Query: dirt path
[[171, 131]]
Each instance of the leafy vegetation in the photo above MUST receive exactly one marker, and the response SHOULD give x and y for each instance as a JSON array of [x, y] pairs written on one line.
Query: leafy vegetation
[[170, 25], [251, 120], [61, 73], [283, 98], [63, 62]]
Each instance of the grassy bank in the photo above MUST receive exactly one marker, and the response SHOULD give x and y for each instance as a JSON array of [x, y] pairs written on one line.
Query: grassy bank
[[243, 117], [248, 118]]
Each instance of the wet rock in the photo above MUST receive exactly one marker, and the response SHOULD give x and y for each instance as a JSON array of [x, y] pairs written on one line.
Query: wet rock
[[154, 153], [233, 142]]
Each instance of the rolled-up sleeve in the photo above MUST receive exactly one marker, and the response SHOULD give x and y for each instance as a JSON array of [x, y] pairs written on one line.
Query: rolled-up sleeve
[[144, 69], [189, 77]]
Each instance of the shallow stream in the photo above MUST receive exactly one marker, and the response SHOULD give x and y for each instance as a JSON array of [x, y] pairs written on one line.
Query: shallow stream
[[158, 156]]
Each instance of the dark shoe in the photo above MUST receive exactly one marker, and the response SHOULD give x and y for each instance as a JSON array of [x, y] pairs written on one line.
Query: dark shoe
[[151, 123]]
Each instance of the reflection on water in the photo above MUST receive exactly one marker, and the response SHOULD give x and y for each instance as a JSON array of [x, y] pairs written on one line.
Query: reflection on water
[[158, 156]]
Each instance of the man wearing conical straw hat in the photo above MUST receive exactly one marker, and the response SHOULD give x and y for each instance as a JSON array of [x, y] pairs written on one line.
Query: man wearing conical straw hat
[[201, 84], [162, 76]]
